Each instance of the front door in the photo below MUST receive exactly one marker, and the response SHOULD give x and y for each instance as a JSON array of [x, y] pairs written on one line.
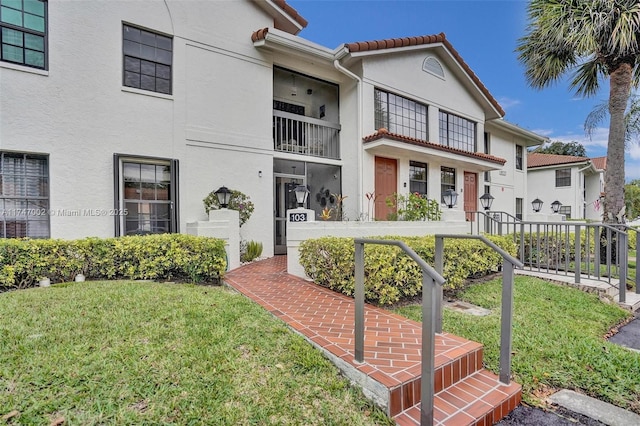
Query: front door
[[470, 195], [386, 185], [285, 199]]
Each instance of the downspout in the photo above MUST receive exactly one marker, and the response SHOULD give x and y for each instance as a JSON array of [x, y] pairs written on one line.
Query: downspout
[[348, 73]]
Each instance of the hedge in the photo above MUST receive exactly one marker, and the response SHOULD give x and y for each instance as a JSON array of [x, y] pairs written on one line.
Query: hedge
[[390, 275], [23, 263]]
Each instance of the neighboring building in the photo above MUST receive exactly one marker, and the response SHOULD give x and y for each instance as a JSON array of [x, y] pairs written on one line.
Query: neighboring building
[[164, 101], [576, 182]]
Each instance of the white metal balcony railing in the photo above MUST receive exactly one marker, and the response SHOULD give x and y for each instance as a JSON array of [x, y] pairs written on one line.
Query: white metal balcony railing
[[298, 134]]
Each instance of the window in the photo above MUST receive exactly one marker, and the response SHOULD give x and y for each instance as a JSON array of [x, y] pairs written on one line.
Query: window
[[24, 32], [433, 66], [147, 60], [519, 208], [146, 194], [418, 177], [563, 177], [447, 180], [487, 150], [457, 132], [519, 151], [24, 195], [565, 210], [400, 115]]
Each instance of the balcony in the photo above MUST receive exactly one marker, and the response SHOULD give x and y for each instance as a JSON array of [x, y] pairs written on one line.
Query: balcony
[[297, 134]]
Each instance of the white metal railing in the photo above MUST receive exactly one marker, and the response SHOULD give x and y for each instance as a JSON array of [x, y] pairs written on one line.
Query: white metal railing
[[298, 134]]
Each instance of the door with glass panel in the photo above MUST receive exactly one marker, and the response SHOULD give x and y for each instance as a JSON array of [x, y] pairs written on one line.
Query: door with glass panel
[[284, 199]]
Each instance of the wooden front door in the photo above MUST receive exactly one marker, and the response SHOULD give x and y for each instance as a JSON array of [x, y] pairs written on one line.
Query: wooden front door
[[470, 195], [386, 185]]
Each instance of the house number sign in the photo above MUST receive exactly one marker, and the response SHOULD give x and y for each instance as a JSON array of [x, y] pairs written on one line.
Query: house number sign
[[298, 217]]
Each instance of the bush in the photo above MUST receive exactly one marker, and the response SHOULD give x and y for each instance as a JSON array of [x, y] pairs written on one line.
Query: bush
[[162, 257], [390, 275], [413, 207], [238, 201], [250, 251]]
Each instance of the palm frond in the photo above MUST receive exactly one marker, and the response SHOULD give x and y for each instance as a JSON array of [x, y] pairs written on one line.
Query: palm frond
[[595, 118]]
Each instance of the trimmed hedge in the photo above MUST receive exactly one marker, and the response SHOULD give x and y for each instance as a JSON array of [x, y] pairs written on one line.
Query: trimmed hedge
[[390, 275], [161, 257]]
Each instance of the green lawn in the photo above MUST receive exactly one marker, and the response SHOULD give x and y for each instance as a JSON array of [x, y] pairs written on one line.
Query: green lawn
[[557, 340], [150, 353]]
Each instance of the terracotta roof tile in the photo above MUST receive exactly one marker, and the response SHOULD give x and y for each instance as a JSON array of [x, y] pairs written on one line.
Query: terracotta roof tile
[[420, 40], [259, 35], [535, 159], [384, 133], [600, 163], [282, 4]]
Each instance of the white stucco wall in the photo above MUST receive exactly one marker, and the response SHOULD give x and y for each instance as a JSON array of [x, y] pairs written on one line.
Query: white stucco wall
[[542, 185]]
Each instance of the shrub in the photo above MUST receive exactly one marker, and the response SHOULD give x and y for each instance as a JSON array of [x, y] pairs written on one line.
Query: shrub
[[238, 201], [250, 251], [413, 207], [163, 257], [390, 275]]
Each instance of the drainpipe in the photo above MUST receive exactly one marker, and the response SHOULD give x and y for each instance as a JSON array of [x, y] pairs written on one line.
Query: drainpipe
[[348, 73]]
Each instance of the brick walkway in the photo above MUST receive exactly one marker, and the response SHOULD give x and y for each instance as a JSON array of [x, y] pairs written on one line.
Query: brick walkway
[[391, 372]]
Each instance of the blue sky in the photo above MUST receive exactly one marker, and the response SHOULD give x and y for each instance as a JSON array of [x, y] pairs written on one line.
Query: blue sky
[[485, 33]]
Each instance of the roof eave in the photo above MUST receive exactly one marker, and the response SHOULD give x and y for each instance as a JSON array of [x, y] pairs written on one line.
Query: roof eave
[[285, 17], [533, 139], [283, 41]]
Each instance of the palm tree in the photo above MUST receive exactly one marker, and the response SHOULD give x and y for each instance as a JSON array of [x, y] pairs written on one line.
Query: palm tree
[[594, 40], [631, 119]]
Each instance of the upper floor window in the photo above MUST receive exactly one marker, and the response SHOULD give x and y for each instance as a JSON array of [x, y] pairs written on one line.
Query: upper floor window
[[519, 157], [563, 177], [147, 59], [457, 132], [418, 177], [400, 115], [24, 32], [24, 195]]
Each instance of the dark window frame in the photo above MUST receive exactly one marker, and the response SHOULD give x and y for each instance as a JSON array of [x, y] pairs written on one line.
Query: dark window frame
[[406, 114], [565, 210], [147, 59], [457, 132], [563, 177], [21, 211], [416, 184], [519, 207], [25, 45], [119, 202], [519, 157], [444, 185]]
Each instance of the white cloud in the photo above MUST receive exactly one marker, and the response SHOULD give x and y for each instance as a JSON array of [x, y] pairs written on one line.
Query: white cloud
[[507, 103], [634, 151]]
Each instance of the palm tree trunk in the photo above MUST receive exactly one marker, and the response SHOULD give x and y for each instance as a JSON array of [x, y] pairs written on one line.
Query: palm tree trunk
[[619, 90]]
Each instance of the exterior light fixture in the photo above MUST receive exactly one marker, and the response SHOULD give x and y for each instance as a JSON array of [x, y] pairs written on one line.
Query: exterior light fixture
[[537, 205], [555, 206], [224, 196], [301, 195], [450, 197], [486, 200]]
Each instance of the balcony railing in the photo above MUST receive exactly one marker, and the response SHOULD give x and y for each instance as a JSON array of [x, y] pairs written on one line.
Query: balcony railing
[[298, 134]]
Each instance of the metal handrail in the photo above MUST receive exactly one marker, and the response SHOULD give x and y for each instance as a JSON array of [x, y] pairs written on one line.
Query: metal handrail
[[431, 281], [506, 318]]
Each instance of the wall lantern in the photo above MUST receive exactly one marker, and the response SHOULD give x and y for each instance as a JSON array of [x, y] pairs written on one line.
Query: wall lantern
[[486, 200], [537, 205], [450, 197], [555, 206], [224, 196], [301, 195]]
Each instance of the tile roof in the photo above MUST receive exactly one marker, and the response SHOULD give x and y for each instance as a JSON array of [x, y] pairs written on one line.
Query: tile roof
[[282, 4], [259, 35], [536, 159], [384, 133], [600, 163], [392, 43]]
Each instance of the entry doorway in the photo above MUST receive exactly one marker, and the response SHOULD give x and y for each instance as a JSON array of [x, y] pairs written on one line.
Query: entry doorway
[[386, 184], [470, 195], [284, 199]]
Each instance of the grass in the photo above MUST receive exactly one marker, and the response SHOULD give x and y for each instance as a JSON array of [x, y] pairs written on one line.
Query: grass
[[124, 352], [558, 340]]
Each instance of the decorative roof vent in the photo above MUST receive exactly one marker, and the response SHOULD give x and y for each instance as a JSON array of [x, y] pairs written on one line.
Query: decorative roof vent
[[433, 66]]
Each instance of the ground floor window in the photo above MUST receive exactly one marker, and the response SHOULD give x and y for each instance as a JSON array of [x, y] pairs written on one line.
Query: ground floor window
[[565, 210], [146, 195], [447, 180], [24, 195], [418, 177], [519, 204]]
